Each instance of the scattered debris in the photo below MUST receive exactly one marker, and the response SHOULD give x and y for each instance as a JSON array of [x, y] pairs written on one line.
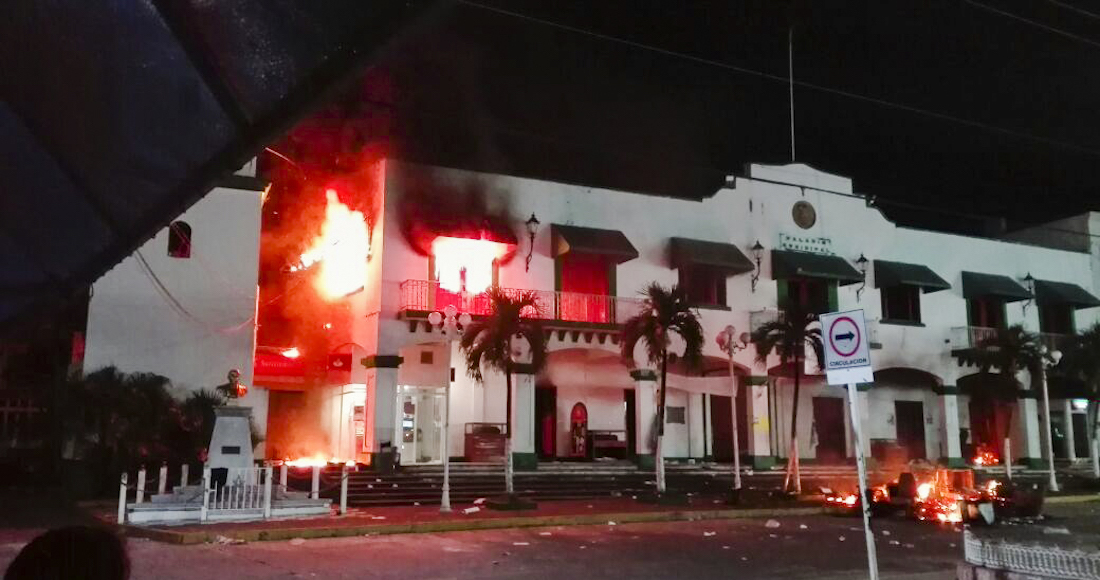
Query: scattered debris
[[544, 533], [803, 527], [771, 524], [725, 547], [521, 543], [886, 532], [717, 501], [583, 547], [709, 534], [841, 538], [749, 473], [416, 503], [479, 501], [378, 480], [895, 543], [378, 517], [495, 562], [370, 486], [744, 559], [471, 510], [910, 546], [297, 541], [610, 523], [394, 485], [773, 536], [224, 540], [589, 506], [952, 545], [1052, 530]]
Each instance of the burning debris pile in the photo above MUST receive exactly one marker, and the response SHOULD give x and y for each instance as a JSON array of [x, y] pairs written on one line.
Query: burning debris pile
[[944, 496]]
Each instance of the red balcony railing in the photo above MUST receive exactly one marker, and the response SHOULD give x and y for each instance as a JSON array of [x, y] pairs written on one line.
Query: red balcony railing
[[426, 296]]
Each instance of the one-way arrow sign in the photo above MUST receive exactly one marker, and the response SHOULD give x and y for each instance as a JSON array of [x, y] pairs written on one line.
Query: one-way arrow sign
[[847, 356]]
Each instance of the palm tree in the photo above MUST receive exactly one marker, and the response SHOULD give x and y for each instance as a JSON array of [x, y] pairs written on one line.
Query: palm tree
[[664, 312], [491, 342], [788, 336], [1011, 351], [1082, 362]]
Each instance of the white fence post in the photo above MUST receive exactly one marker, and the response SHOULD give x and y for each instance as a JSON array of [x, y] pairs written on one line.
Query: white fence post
[[140, 486], [315, 486], [122, 498], [183, 474], [205, 494], [282, 476], [267, 492], [343, 489], [162, 481]]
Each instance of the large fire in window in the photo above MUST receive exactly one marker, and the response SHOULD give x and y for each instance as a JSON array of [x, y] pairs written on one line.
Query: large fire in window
[[341, 250], [466, 264]]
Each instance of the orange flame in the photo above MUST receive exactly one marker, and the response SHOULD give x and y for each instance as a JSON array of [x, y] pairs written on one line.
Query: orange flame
[[342, 250], [316, 460], [465, 263]]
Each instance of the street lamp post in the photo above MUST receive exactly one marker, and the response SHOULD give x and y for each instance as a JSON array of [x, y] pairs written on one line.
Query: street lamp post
[[730, 344], [1050, 359], [451, 323]]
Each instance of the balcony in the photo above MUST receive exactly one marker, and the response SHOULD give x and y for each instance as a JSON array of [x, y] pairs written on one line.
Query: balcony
[[964, 337], [421, 296]]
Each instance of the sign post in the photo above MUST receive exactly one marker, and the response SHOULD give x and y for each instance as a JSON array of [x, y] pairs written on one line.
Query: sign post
[[848, 362]]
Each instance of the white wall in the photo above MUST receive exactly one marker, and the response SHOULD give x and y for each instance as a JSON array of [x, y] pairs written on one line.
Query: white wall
[[134, 326]]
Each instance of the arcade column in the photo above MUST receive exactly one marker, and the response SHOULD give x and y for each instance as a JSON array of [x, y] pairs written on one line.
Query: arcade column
[[381, 381], [949, 412], [645, 416], [1027, 431], [759, 444], [524, 457]]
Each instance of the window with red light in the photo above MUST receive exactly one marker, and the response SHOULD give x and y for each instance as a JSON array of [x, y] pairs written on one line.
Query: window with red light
[[179, 240], [586, 281], [986, 311]]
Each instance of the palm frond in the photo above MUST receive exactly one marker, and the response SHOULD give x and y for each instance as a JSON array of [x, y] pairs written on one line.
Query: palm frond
[[664, 312], [487, 342]]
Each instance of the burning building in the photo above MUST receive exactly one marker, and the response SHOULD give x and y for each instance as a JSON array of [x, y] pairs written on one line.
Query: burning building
[[381, 254]]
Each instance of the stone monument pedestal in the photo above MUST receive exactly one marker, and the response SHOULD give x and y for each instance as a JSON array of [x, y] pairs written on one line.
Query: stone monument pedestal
[[231, 442]]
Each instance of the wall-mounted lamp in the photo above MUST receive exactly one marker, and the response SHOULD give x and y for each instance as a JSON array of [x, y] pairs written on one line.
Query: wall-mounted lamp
[[862, 263], [1029, 281], [757, 255], [532, 224]]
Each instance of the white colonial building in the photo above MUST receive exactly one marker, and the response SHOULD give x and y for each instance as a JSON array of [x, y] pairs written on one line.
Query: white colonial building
[[776, 234]]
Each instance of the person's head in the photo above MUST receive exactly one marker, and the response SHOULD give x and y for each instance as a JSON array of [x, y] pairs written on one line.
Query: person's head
[[72, 553]]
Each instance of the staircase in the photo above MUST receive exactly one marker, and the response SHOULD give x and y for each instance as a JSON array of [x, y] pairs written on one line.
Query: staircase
[[422, 485]]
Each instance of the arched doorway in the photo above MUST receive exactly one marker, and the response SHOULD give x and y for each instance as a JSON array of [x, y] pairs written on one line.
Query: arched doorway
[[992, 402], [578, 431]]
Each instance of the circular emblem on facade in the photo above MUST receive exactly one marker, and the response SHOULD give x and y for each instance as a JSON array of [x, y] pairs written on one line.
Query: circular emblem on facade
[[804, 214]]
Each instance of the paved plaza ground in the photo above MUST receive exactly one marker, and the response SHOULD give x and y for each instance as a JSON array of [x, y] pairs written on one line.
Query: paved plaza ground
[[801, 547]]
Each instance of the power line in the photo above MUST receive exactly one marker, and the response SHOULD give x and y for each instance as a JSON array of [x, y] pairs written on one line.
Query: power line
[[779, 78], [1075, 9], [1046, 27]]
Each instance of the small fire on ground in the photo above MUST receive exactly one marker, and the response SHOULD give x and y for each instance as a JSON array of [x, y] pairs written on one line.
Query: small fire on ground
[[946, 496], [342, 250], [317, 460]]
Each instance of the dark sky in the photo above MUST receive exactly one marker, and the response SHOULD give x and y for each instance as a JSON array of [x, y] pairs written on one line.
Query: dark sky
[[485, 90]]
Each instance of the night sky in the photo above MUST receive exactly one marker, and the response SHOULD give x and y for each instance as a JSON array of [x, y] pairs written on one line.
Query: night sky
[[481, 89]]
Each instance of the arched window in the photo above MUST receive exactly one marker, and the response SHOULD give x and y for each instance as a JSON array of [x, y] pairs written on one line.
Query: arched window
[[179, 240]]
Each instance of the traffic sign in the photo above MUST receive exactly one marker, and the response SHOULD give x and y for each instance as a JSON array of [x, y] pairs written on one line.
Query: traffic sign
[[847, 353]]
